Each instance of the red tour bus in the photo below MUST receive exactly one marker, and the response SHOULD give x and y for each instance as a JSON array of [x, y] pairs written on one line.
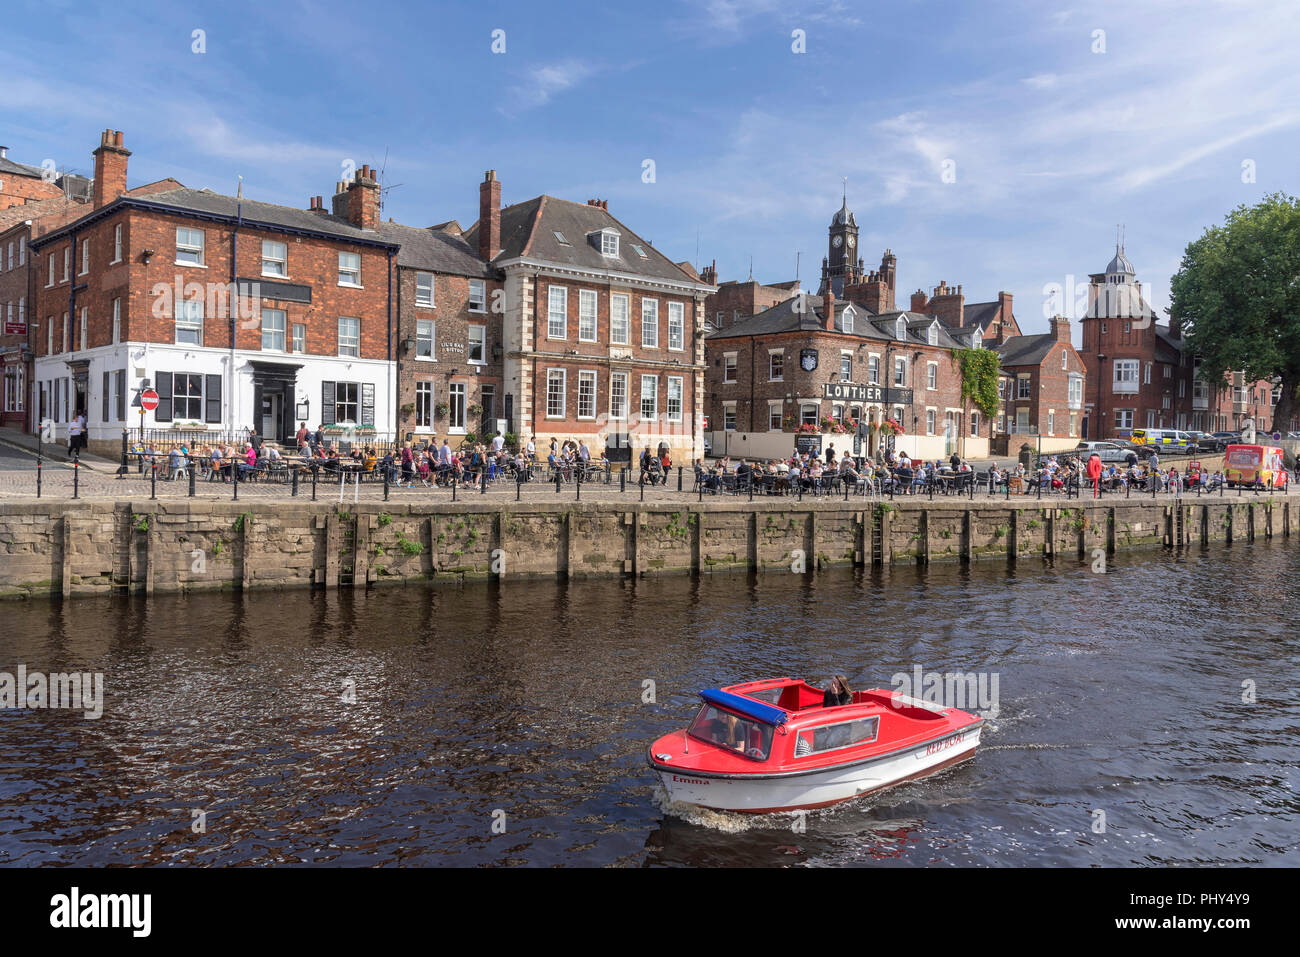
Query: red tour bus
[[1252, 465]]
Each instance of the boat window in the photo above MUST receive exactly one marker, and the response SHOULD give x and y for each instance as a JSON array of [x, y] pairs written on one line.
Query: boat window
[[832, 737], [769, 695], [742, 735]]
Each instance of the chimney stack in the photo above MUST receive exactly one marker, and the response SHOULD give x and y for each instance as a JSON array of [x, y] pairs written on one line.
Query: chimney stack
[[489, 216], [948, 304], [918, 301], [829, 301], [1060, 328], [110, 168], [363, 199]]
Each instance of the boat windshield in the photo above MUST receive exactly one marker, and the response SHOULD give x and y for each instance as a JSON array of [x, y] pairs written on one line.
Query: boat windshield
[[745, 736]]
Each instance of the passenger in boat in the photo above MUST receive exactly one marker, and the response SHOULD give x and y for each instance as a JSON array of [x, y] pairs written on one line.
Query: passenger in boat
[[839, 693]]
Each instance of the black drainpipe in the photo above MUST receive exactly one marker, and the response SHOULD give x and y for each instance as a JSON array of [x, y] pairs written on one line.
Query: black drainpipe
[[397, 385]]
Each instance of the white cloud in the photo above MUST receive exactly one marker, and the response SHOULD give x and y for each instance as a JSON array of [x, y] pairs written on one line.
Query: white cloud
[[545, 82]]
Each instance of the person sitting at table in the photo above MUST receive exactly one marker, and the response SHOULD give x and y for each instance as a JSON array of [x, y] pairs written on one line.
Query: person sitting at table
[[904, 475], [174, 461], [848, 470]]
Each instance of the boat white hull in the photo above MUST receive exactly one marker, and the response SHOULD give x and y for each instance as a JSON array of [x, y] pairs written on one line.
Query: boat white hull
[[759, 794]]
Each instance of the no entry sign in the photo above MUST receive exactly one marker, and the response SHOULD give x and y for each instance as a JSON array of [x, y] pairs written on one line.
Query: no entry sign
[[148, 400]]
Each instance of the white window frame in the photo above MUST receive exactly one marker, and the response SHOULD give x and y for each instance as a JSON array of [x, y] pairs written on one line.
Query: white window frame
[[117, 320], [587, 382], [873, 368], [83, 328], [609, 242], [84, 266], [478, 295], [620, 318], [350, 346], [679, 383], [653, 396], [588, 323], [932, 334], [649, 323], [275, 259], [350, 275], [846, 360], [676, 327], [900, 372], [426, 330], [775, 357], [931, 420], [900, 329], [283, 330], [481, 331], [562, 377], [617, 392], [424, 407], [188, 245], [117, 244], [299, 337], [557, 312], [189, 317], [932, 375], [729, 367], [777, 407], [422, 300], [1023, 384]]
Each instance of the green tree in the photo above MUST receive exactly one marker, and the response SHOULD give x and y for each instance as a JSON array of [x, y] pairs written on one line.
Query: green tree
[[1237, 296]]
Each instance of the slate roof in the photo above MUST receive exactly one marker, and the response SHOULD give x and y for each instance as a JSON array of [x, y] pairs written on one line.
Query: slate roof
[[979, 314], [435, 250], [528, 231], [206, 202], [1026, 350], [10, 168], [783, 317]]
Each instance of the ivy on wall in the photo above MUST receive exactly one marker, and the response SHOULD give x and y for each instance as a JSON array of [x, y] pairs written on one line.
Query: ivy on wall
[[979, 378]]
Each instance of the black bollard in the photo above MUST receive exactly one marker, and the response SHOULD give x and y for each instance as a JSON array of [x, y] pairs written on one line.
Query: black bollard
[[76, 472], [121, 473], [190, 473], [234, 478], [622, 480], [608, 477], [385, 485], [313, 483], [483, 478], [519, 485], [679, 478], [453, 488], [577, 486], [557, 481], [294, 476], [38, 476], [642, 483], [153, 480]]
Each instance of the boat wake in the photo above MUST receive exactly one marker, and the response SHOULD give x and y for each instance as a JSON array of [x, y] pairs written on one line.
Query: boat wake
[[728, 822]]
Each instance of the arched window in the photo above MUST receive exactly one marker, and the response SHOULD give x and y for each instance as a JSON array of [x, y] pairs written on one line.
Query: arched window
[[900, 329]]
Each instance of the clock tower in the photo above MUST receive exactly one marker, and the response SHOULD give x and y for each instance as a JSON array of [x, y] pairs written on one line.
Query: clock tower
[[841, 263]]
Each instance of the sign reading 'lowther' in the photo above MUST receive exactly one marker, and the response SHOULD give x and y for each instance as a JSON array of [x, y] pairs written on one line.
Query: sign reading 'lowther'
[[852, 392]]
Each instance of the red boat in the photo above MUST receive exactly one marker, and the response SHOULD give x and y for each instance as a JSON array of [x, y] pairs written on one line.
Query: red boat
[[771, 745]]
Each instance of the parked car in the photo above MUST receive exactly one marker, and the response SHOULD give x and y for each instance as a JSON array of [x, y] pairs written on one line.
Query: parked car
[[1223, 439], [1106, 451]]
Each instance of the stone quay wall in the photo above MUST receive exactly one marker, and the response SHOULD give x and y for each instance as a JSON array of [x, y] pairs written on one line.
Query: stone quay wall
[[102, 547]]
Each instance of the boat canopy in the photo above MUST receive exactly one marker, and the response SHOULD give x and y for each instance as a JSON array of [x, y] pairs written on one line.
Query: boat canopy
[[750, 708]]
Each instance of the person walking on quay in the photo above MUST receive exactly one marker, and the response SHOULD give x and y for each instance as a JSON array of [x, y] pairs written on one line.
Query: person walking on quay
[[1131, 460], [408, 465], [77, 432], [498, 443], [1153, 463]]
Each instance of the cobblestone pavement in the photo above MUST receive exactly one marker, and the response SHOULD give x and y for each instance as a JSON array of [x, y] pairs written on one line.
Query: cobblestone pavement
[[18, 481]]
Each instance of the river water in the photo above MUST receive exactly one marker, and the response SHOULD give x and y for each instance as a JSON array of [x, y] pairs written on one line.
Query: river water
[[507, 726]]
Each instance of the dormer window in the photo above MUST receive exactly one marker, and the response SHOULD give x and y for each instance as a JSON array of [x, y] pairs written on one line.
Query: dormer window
[[976, 340], [606, 240], [900, 328], [932, 336], [846, 320]]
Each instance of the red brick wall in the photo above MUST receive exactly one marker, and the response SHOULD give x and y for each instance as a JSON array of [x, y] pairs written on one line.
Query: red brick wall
[[452, 320], [18, 190], [312, 262]]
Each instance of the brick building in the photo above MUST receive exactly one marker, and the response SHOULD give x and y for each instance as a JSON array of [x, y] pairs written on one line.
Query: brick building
[[449, 339], [907, 355], [239, 313], [602, 334], [814, 357], [22, 184], [1141, 375]]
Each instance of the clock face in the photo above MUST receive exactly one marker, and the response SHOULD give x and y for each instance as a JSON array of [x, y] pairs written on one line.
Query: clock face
[[837, 241], [851, 241]]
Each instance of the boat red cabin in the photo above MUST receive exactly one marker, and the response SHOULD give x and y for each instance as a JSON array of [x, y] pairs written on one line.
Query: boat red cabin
[[773, 745]]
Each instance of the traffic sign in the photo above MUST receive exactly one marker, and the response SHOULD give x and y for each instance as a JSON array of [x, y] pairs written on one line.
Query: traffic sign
[[149, 400]]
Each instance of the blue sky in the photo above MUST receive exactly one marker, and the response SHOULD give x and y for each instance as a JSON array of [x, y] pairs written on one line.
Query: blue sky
[[1053, 141]]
